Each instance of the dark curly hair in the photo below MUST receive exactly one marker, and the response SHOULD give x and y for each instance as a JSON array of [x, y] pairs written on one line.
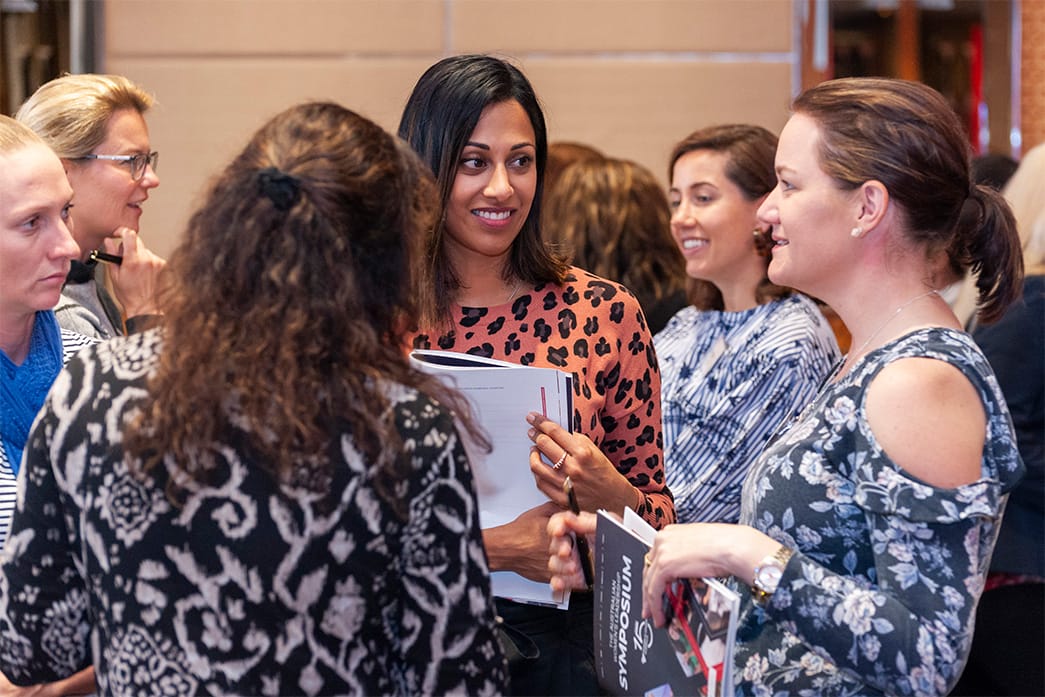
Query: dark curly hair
[[287, 301]]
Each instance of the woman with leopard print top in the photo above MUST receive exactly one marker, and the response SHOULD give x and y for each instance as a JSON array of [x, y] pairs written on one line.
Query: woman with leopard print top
[[494, 289]]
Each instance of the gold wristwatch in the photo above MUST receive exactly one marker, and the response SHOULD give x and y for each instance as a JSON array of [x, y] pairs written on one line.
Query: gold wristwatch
[[768, 573]]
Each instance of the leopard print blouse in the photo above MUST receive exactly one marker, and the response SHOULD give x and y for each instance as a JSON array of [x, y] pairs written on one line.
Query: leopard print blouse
[[594, 329]]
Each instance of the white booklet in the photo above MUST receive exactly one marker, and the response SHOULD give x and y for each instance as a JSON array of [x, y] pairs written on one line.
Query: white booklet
[[501, 395], [691, 655]]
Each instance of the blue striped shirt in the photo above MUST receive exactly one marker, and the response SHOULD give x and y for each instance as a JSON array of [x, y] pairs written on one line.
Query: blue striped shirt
[[728, 380]]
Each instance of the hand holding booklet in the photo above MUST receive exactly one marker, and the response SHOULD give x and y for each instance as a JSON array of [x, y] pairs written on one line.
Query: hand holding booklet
[[501, 395], [691, 655]]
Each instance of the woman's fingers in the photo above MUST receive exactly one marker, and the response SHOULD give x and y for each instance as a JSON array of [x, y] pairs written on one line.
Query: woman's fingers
[[562, 560]]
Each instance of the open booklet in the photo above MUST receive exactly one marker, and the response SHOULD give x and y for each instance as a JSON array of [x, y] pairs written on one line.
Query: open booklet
[[691, 655], [502, 394]]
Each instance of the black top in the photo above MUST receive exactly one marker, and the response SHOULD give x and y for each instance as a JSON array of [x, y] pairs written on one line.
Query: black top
[[1015, 347]]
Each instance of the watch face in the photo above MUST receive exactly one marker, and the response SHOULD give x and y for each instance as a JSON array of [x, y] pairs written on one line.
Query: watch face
[[769, 577]]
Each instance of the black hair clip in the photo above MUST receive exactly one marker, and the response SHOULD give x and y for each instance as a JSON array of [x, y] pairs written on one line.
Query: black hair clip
[[280, 188]]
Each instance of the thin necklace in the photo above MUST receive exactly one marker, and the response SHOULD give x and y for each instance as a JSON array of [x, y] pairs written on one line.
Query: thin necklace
[[514, 291], [859, 352], [828, 381]]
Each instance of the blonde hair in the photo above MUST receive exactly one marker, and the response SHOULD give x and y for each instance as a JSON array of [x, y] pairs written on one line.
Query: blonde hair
[[1024, 194], [15, 135], [71, 113]]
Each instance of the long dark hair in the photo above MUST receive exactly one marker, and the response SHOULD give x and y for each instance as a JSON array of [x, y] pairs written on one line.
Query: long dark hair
[[750, 151], [905, 135], [287, 303], [443, 110]]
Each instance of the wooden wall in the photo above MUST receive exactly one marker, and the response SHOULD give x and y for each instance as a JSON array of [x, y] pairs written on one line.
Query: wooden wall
[[630, 77]]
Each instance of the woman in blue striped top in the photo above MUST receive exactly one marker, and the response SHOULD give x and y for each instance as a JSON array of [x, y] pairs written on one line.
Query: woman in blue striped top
[[736, 363], [747, 354]]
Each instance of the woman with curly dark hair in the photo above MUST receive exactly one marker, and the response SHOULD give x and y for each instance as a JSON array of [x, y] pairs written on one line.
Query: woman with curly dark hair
[[261, 496]]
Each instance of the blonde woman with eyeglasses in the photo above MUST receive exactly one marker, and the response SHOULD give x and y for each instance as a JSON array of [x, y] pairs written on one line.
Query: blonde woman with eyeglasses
[[96, 125]]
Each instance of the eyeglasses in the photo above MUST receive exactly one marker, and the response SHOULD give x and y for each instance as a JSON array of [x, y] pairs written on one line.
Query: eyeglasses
[[137, 163]]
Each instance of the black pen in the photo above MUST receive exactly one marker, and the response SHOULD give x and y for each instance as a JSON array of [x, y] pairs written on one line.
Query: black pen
[[103, 256], [582, 543]]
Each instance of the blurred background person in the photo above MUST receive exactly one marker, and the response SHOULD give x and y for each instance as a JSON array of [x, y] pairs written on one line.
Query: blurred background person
[[262, 497], [562, 154], [611, 217], [96, 125], [993, 170], [1003, 661], [36, 250], [748, 353], [495, 289]]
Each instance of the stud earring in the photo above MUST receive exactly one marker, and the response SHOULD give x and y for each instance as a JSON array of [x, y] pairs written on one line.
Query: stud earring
[[857, 231]]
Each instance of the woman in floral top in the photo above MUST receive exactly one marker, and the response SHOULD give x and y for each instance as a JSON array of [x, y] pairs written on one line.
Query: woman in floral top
[[262, 497], [867, 524]]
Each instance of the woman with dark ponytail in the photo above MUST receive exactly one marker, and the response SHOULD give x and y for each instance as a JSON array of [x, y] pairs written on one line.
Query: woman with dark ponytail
[[868, 522]]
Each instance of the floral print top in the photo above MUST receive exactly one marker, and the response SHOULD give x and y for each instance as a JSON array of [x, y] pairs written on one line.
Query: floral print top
[[248, 586], [594, 329], [880, 595]]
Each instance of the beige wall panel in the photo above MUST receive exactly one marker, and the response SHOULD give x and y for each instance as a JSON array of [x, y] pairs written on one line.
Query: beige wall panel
[[573, 26], [639, 110], [265, 27], [206, 111]]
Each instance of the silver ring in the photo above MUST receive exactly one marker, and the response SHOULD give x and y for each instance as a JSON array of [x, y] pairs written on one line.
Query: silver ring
[[558, 463]]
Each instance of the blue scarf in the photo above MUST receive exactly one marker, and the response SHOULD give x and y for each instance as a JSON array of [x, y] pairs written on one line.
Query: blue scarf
[[23, 387]]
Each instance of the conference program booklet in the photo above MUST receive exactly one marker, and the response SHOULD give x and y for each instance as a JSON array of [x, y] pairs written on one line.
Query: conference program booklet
[[501, 395], [691, 655]]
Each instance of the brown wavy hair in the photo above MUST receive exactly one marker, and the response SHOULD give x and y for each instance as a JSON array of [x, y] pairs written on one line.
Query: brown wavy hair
[[751, 151], [613, 216], [286, 305], [561, 155]]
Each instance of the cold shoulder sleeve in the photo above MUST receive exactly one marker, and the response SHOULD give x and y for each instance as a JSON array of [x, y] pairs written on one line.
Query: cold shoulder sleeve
[[881, 593]]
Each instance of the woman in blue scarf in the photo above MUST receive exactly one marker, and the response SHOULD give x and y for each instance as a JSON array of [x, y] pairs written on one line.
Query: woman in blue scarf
[[35, 252]]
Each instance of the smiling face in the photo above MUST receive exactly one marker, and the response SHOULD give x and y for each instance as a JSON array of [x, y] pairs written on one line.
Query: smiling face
[[36, 246], [107, 196], [811, 216], [494, 185], [713, 224]]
